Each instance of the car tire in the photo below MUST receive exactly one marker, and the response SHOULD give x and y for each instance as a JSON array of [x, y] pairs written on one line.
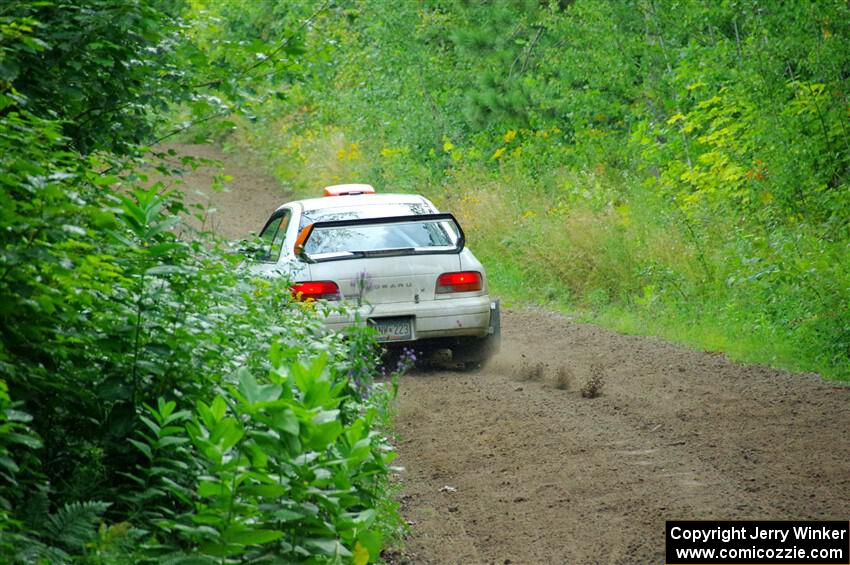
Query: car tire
[[474, 352]]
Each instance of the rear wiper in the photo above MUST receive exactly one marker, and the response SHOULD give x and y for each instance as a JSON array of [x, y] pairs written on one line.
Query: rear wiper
[[334, 256], [387, 252]]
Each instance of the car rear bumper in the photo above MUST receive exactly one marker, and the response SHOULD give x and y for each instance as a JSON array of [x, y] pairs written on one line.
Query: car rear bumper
[[447, 317]]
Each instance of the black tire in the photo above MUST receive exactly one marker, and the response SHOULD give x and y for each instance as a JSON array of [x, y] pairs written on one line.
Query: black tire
[[474, 352]]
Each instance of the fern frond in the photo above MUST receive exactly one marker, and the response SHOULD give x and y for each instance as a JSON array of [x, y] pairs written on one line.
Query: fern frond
[[37, 552], [75, 524]]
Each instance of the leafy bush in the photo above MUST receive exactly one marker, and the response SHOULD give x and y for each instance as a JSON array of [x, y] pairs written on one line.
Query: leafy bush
[[109, 321], [276, 468]]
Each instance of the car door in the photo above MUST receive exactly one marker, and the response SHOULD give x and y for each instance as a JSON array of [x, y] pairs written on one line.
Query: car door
[[275, 255]]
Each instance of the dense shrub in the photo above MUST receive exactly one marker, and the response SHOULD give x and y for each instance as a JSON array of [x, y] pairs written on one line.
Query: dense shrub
[[157, 402], [110, 323]]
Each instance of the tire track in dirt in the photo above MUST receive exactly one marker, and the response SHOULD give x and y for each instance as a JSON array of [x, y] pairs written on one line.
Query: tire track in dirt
[[546, 476]]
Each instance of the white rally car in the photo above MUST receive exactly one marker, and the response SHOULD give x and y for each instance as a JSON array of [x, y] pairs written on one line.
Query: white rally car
[[398, 263]]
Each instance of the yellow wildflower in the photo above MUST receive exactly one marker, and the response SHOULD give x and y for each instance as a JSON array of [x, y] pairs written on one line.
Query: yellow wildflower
[[361, 554], [354, 152]]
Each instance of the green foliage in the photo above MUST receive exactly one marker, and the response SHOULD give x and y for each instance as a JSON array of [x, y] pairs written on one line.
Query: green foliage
[[104, 67], [114, 313], [286, 437], [107, 312], [74, 525], [268, 467]]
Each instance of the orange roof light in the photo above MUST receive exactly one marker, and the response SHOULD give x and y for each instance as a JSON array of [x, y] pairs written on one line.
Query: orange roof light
[[348, 189]]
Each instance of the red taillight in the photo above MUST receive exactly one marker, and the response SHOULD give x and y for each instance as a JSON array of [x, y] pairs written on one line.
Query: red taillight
[[316, 290], [465, 281]]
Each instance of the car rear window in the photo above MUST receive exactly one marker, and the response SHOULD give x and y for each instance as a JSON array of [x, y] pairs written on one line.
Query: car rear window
[[426, 235]]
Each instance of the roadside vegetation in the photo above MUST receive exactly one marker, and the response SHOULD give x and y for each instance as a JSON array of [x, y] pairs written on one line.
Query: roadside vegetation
[[157, 404], [660, 167]]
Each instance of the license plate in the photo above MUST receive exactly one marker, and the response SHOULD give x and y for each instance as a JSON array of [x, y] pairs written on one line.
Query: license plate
[[393, 329]]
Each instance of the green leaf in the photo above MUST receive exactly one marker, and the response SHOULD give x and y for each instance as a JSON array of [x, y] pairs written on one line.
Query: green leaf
[[284, 421], [254, 537], [227, 434], [143, 447], [218, 408], [28, 440], [186, 560], [213, 488], [371, 540], [150, 424], [287, 515], [171, 440], [9, 464], [365, 518], [255, 393], [73, 525], [18, 416], [169, 270], [163, 248], [221, 549], [177, 416], [324, 435], [165, 408], [326, 416], [330, 547], [270, 491]]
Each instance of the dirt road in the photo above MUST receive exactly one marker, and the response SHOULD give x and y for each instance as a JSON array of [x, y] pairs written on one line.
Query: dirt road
[[510, 464], [544, 475]]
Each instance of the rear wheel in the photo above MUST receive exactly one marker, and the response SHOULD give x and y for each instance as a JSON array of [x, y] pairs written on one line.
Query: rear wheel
[[474, 352]]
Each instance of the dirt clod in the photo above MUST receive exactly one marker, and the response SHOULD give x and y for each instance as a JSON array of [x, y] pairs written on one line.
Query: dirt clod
[[592, 387], [563, 378], [531, 371]]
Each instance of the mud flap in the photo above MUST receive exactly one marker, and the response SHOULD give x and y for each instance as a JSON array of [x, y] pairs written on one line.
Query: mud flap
[[495, 326]]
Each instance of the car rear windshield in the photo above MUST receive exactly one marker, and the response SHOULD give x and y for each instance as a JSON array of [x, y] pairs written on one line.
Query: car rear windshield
[[415, 236]]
